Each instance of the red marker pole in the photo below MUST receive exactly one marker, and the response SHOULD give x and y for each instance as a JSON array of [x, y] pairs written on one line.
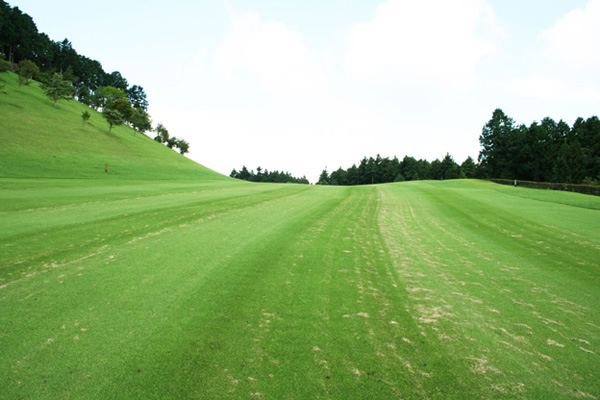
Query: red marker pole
[[106, 167]]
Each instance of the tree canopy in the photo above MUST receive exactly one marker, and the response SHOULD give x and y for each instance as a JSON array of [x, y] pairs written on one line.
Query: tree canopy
[[547, 151]]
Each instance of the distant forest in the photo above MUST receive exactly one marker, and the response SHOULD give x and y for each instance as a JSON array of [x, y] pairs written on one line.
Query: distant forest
[[266, 176], [383, 170], [65, 74], [543, 152]]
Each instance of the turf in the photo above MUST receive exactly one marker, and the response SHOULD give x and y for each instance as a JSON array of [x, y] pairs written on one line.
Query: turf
[[198, 286], [219, 290]]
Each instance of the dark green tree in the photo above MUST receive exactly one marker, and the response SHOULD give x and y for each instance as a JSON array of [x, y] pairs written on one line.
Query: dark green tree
[[162, 134], [183, 146], [171, 142], [259, 174], [244, 173], [338, 177], [352, 175], [84, 95], [587, 133], [424, 169], [140, 120], [323, 178], [468, 168], [495, 155], [390, 169], [449, 169], [137, 97], [18, 33], [4, 65], [409, 169], [568, 164], [115, 79], [364, 175], [435, 171]]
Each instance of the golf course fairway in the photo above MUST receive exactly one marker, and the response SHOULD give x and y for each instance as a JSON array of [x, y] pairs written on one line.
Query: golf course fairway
[[221, 289]]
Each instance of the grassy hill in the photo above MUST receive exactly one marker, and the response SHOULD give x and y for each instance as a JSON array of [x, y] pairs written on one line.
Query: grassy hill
[[136, 285], [39, 140]]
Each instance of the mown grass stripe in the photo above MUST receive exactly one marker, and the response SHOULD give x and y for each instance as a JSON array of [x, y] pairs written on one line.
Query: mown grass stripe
[[396, 291]]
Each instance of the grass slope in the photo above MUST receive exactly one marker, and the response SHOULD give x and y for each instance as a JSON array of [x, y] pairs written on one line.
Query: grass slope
[[39, 140], [213, 288], [216, 290]]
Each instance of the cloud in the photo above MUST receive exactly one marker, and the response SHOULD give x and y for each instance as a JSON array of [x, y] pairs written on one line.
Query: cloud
[[573, 41], [437, 43], [567, 56], [549, 87], [278, 103], [275, 53]]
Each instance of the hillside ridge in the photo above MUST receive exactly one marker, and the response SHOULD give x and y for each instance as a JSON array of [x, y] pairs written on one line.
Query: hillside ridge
[[40, 141]]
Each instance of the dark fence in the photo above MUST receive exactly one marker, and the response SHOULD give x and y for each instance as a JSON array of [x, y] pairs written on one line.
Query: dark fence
[[568, 187]]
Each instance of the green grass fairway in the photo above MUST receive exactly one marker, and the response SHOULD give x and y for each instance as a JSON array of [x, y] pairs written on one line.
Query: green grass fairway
[[162, 279], [219, 289]]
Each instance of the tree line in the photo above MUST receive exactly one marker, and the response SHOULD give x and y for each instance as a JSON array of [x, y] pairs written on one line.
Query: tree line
[[20, 40], [384, 170], [266, 176], [66, 75], [547, 151]]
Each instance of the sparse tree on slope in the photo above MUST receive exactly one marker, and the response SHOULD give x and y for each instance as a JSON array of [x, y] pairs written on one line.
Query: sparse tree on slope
[[84, 118], [162, 134], [183, 146], [113, 117], [171, 142], [27, 69], [105, 96], [140, 120], [123, 106], [137, 97], [58, 88]]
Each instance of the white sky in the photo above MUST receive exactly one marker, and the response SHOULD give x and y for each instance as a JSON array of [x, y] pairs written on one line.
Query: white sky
[[303, 85]]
